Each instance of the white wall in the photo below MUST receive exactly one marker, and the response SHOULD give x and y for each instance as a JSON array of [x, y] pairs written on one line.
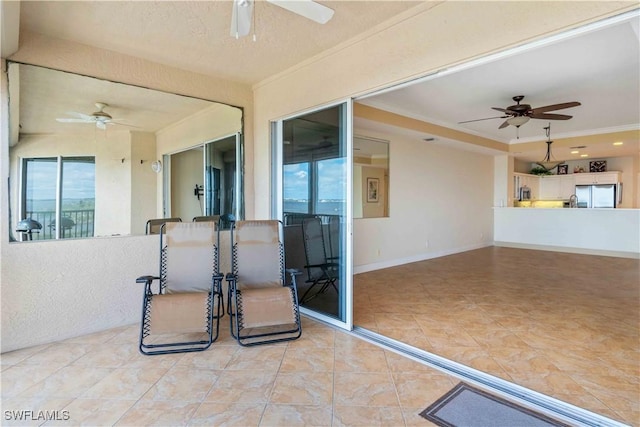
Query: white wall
[[441, 203]]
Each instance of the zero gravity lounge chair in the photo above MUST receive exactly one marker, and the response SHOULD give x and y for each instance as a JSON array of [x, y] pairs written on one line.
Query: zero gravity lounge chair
[[263, 306], [180, 316]]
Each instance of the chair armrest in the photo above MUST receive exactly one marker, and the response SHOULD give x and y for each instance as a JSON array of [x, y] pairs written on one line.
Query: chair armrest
[[293, 271], [147, 279]]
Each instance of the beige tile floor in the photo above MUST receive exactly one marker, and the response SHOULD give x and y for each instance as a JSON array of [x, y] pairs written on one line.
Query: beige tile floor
[[326, 378], [561, 324]]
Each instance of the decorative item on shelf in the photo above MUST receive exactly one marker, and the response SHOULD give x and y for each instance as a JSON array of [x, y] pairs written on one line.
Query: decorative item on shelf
[[598, 166], [563, 169], [548, 162], [540, 171]]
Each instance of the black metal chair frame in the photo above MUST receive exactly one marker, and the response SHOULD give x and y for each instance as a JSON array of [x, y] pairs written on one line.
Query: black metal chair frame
[[235, 295], [213, 304]]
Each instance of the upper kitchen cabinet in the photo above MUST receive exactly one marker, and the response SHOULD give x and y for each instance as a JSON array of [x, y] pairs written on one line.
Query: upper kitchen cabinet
[[597, 178], [557, 187]]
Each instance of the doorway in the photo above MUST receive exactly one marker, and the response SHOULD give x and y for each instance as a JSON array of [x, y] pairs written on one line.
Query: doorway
[[313, 188]]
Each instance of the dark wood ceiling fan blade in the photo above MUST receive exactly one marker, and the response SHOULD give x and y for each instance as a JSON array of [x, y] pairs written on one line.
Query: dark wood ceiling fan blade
[[487, 118], [555, 107], [502, 109], [545, 116], [503, 125]]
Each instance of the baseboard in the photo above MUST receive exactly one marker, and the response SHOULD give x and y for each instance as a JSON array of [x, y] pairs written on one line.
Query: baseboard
[[357, 269], [567, 249]]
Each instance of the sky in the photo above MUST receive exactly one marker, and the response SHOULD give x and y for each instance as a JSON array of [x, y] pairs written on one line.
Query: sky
[[331, 179], [78, 180]]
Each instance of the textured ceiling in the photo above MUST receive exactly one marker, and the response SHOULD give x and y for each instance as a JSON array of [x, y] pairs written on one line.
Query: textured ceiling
[[600, 70], [194, 35]]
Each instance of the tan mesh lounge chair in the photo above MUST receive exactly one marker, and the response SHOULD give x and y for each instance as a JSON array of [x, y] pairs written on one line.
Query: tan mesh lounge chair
[[264, 307], [153, 225], [183, 315]]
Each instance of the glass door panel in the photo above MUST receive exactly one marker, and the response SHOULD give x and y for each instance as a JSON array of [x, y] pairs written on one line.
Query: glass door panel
[[221, 184], [315, 208]]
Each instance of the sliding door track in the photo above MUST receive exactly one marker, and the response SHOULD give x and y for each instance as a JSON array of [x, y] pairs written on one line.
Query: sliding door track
[[553, 407]]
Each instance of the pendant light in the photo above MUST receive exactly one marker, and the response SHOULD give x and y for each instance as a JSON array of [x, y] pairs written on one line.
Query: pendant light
[[548, 162]]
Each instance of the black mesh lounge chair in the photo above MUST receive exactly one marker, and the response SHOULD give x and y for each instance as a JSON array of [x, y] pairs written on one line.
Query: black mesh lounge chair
[[264, 306], [322, 272], [183, 314]]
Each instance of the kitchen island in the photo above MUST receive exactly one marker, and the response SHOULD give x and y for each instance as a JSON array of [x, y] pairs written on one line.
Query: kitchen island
[[610, 232]]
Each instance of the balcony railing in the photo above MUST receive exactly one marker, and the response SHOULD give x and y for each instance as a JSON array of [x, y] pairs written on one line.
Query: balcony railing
[[75, 224]]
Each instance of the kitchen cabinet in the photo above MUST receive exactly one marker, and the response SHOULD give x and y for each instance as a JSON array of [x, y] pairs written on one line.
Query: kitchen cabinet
[[550, 187], [597, 178], [557, 187], [567, 186]]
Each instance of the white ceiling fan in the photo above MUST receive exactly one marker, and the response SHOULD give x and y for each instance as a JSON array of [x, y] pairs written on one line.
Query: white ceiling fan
[[100, 117], [242, 15]]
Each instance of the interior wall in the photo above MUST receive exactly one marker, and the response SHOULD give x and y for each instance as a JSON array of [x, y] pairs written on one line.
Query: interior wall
[[143, 180], [441, 203]]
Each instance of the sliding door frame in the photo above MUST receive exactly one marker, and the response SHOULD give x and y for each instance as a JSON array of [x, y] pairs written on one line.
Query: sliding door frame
[[277, 208]]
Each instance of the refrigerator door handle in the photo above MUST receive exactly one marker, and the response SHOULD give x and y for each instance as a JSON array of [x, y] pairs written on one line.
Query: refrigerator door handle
[[619, 191]]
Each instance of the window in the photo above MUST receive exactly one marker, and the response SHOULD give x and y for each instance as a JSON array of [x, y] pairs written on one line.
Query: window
[[59, 190]]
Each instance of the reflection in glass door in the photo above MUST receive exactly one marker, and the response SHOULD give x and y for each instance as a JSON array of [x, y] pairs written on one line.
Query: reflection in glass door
[[314, 203], [221, 184]]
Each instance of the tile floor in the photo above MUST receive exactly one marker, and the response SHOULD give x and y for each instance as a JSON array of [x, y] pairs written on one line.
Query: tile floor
[[326, 378], [562, 324]]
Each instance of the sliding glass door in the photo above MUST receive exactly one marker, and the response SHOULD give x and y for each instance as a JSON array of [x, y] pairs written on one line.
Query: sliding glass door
[[312, 184]]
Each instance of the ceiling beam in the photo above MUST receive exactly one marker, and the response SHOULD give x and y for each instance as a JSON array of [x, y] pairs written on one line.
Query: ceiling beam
[[429, 129]]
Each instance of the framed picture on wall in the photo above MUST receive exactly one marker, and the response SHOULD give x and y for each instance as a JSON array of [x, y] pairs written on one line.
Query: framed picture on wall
[[563, 169], [373, 194]]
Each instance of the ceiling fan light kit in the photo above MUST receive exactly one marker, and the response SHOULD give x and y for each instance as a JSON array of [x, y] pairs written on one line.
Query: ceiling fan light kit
[[519, 114], [548, 162]]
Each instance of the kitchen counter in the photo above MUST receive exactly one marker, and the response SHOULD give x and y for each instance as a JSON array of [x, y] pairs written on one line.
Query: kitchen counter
[[611, 232]]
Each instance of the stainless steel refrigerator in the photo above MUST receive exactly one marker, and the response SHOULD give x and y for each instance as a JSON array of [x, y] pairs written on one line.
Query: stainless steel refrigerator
[[598, 196]]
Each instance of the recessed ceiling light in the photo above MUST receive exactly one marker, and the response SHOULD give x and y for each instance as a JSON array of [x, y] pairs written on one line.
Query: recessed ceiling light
[[618, 143], [575, 152], [584, 155]]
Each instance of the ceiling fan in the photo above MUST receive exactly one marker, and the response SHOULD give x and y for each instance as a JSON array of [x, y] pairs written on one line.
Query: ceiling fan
[[242, 15], [519, 114], [101, 118]]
